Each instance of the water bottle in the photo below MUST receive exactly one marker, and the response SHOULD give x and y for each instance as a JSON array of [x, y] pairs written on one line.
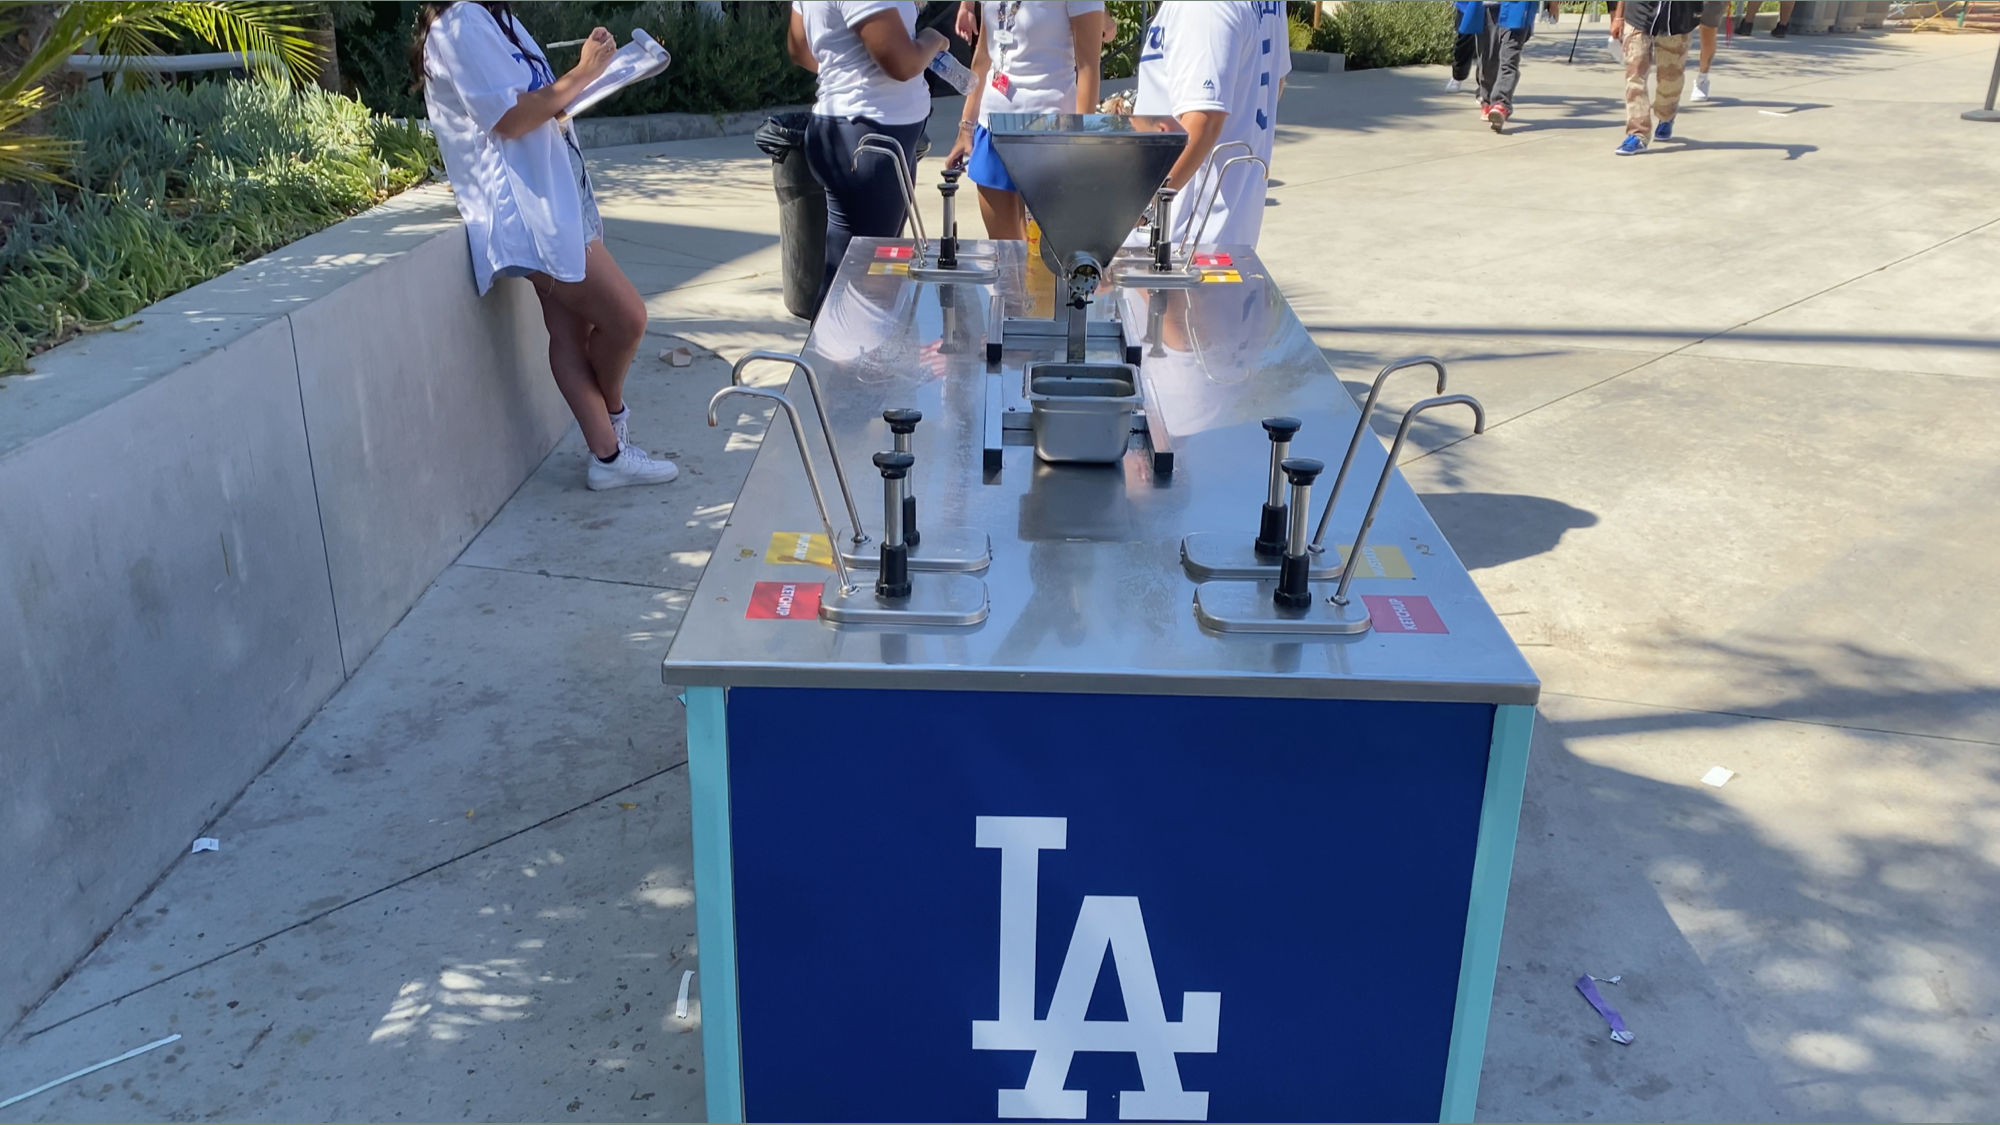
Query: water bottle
[[956, 74]]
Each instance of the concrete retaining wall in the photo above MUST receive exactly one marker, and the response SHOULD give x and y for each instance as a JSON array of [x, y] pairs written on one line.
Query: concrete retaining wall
[[208, 520]]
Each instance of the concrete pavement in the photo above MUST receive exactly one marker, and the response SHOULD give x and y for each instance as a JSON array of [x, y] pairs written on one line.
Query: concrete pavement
[[1729, 502]]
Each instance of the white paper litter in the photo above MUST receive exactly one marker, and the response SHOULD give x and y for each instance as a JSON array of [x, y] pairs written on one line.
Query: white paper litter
[[1718, 777], [206, 844], [681, 1001]]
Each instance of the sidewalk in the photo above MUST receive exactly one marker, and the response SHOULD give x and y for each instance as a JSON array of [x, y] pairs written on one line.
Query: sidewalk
[[1734, 502]]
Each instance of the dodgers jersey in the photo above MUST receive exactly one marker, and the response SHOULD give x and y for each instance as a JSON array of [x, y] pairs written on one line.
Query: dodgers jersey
[[1228, 57]]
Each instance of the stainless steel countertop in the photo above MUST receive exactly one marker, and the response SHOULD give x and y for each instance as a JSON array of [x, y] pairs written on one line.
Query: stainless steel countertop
[[1086, 586]]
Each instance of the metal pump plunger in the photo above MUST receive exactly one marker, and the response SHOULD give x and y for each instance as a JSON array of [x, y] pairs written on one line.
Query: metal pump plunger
[[1163, 228], [948, 230], [1294, 572], [894, 580], [902, 424], [1271, 529]]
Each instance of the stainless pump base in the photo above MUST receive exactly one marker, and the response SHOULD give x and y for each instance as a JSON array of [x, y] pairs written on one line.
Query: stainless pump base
[[951, 550], [1207, 555], [935, 599], [1246, 607]]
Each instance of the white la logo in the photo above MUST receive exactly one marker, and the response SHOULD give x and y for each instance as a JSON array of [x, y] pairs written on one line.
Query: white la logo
[[1105, 923]]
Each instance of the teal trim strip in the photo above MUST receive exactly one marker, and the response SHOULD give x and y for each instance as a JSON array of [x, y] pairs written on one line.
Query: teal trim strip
[[1492, 867], [715, 900]]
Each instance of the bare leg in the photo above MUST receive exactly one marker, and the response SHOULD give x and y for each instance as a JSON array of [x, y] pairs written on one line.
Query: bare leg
[[609, 306], [1006, 216], [1707, 46], [569, 362]]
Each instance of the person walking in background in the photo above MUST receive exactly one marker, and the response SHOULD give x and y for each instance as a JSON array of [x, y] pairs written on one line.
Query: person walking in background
[[870, 61], [1500, 32], [1217, 66], [1713, 12], [1464, 49], [1655, 35], [1042, 56], [517, 175], [1748, 23]]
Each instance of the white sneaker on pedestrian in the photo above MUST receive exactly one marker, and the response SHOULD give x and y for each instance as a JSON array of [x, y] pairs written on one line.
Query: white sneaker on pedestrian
[[1700, 88], [1453, 85], [631, 466]]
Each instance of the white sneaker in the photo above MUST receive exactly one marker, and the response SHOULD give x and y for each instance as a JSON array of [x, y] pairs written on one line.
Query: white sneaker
[[1700, 88], [620, 423], [1453, 85], [631, 466]]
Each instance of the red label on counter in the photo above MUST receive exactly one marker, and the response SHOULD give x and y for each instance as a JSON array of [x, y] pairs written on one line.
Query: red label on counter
[[783, 601], [1397, 613], [1214, 260], [898, 253]]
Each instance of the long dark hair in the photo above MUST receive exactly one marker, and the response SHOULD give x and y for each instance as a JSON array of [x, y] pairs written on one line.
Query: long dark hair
[[503, 14]]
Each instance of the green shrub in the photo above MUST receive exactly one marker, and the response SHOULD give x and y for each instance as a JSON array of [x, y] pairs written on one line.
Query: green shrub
[[721, 64], [175, 185], [1121, 56], [1378, 33], [1301, 35]]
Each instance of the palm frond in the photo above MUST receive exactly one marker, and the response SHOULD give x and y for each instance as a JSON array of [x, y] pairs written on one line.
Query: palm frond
[[29, 157], [270, 30]]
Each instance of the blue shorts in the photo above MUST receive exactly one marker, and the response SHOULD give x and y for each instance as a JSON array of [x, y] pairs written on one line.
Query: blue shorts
[[983, 167]]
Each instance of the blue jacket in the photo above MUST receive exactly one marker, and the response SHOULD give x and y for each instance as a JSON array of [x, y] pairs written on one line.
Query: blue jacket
[[1513, 14]]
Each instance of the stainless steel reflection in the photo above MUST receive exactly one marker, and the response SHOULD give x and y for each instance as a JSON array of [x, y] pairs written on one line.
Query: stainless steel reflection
[[805, 457], [1086, 591], [1361, 428], [1086, 177], [825, 425], [1389, 469]]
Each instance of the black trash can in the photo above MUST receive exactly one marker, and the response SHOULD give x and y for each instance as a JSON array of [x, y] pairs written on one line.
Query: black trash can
[[801, 209]]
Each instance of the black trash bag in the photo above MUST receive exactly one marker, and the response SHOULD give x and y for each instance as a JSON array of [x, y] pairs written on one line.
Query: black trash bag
[[782, 133]]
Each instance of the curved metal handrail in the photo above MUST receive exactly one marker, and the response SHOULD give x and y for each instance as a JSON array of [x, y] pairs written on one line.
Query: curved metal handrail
[[1360, 428], [847, 585]]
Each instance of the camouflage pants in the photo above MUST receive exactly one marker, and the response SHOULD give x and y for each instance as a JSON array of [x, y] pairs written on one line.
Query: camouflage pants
[[1667, 53]]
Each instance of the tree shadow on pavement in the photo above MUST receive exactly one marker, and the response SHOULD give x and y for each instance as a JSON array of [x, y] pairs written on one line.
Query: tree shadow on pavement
[[1489, 529]]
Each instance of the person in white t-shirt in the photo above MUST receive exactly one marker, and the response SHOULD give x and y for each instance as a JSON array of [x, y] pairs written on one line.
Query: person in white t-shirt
[[1038, 56], [870, 61], [518, 176], [1218, 66]]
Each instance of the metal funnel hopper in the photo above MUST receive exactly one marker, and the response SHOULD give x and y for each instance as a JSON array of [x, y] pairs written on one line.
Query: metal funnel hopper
[[1086, 178]]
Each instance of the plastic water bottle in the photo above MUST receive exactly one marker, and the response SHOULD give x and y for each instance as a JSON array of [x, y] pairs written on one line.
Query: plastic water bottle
[[956, 74]]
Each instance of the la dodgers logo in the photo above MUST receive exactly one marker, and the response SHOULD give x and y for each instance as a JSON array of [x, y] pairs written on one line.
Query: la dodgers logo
[[1105, 924]]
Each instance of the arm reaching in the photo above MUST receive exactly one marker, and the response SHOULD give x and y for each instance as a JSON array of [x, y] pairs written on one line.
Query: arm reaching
[[535, 107]]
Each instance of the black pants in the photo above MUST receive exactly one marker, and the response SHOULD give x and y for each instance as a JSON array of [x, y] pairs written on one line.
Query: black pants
[[1463, 50], [1500, 63], [864, 200]]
